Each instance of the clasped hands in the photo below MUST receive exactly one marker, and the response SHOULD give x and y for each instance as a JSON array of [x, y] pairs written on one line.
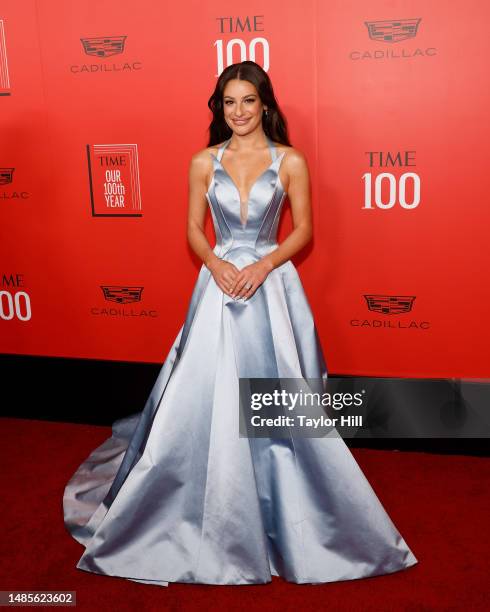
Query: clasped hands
[[240, 283]]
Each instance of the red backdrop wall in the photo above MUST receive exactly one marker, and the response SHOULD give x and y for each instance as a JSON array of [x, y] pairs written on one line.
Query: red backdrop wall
[[103, 104]]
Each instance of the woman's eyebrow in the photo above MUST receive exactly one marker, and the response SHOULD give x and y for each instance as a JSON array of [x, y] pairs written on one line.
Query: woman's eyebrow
[[247, 96]]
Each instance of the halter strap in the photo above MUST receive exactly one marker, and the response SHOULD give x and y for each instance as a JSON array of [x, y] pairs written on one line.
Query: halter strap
[[272, 149], [221, 149]]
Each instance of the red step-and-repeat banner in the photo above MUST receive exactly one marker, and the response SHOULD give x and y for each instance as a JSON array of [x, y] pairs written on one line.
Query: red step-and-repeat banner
[[102, 105]]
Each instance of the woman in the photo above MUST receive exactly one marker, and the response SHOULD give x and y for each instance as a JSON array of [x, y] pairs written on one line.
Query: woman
[[175, 495]]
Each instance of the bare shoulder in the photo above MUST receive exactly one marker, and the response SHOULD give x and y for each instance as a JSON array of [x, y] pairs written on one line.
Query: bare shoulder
[[213, 149], [294, 160], [201, 166], [203, 158]]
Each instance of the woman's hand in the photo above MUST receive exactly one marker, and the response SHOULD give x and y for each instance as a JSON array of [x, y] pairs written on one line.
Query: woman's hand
[[224, 274], [250, 278]]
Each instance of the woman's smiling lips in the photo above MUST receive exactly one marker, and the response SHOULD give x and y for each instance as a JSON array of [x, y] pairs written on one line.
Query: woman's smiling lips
[[240, 121]]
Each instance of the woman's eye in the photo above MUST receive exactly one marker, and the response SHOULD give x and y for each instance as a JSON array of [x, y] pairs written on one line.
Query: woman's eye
[[228, 102]]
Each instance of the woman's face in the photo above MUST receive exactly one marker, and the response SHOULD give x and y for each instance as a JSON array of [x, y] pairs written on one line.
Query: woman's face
[[242, 106]]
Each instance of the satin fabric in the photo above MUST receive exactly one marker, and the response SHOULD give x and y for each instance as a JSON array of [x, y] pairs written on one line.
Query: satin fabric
[[175, 495]]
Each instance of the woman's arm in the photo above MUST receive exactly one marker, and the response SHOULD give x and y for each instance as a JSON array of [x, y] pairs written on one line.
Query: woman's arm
[[223, 272], [198, 170], [300, 199]]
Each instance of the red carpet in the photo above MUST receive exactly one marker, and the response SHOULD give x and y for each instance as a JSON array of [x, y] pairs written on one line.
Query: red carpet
[[439, 503]]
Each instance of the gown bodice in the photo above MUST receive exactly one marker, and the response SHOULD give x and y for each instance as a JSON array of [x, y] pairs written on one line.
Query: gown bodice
[[265, 199]]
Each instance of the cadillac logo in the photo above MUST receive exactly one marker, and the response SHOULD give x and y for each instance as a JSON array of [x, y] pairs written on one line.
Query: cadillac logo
[[6, 175], [390, 304], [392, 31], [122, 295], [104, 46]]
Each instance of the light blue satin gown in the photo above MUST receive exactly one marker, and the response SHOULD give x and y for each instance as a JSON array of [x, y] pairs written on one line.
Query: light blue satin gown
[[175, 495]]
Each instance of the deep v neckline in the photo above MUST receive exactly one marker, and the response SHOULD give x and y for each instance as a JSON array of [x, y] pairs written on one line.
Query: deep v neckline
[[274, 158]]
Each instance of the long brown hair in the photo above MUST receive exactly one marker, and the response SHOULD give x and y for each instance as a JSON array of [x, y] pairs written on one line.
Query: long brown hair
[[274, 124]]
